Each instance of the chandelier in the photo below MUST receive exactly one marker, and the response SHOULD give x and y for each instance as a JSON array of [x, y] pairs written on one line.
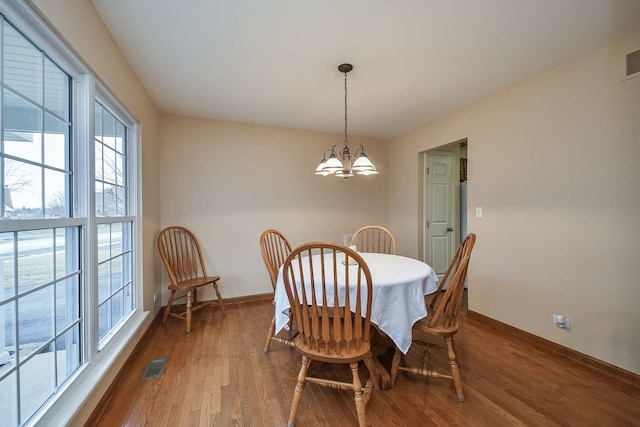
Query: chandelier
[[343, 166]]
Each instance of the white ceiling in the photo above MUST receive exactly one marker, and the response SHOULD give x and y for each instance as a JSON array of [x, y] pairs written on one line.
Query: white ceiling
[[275, 62]]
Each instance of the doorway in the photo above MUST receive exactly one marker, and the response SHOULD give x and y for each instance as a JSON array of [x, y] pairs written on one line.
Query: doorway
[[444, 203]]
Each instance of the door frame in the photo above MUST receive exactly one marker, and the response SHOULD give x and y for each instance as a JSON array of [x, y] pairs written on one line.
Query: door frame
[[455, 148]]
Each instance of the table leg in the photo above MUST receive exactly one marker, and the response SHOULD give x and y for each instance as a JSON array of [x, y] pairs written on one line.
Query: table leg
[[383, 350]]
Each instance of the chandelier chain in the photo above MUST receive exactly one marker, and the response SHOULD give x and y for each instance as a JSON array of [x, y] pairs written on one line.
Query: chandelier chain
[[345, 109]]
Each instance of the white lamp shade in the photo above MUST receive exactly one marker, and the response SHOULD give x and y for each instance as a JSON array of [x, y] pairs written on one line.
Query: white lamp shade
[[344, 174], [368, 172], [333, 164], [321, 166], [363, 163]]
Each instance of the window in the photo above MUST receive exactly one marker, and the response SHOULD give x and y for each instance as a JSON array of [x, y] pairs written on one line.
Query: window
[[40, 276], [67, 222], [39, 316], [36, 122], [115, 279]]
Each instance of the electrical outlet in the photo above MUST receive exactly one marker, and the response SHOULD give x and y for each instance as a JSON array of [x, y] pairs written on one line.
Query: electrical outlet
[[561, 321], [155, 297]]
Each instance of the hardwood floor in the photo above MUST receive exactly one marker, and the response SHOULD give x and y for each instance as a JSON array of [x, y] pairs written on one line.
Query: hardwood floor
[[219, 376]]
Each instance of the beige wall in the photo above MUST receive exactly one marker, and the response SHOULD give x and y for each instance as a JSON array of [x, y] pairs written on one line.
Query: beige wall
[[554, 163], [229, 182]]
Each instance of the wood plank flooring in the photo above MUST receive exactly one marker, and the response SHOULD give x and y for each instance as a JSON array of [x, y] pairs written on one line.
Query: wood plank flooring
[[219, 376]]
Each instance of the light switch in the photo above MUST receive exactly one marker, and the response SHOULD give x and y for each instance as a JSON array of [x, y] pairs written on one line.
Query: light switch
[[478, 212]]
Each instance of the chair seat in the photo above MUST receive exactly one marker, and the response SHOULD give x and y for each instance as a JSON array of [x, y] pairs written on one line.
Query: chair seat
[[332, 355], [193, 283]]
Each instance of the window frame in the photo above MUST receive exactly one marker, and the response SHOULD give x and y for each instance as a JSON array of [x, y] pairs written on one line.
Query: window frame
[[99, 360], [109, 102]]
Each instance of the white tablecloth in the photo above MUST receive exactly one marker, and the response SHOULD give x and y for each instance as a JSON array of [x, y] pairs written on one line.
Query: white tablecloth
[[399, 287]]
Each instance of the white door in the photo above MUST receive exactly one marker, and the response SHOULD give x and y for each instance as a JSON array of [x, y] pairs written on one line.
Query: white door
[[440, 206]]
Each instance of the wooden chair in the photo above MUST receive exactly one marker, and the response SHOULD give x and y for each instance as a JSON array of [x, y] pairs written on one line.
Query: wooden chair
[[182, 257], [444, 321], [329, 331], [465, 247], [275, 250], [374, 238]]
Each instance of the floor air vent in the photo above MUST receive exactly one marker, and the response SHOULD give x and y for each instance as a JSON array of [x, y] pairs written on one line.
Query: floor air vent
[[154, 369]]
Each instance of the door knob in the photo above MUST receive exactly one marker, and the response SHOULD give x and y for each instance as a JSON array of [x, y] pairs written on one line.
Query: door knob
[[449, 229]]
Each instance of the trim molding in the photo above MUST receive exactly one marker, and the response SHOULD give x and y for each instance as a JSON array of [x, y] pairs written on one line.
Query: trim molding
[[611, 370], [248, 298]]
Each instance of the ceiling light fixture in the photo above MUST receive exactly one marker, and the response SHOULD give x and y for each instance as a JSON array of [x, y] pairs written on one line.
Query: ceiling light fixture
[[345, 168]]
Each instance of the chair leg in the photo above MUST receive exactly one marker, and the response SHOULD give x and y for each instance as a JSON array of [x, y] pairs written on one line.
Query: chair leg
[[455, 371], [425, 358], [359, 397], [167, 309], [272, 329], [297, 393], [215, 286], [189, 306]]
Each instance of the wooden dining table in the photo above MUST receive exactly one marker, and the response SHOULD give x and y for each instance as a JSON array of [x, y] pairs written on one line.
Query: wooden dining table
[[399, 287]]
